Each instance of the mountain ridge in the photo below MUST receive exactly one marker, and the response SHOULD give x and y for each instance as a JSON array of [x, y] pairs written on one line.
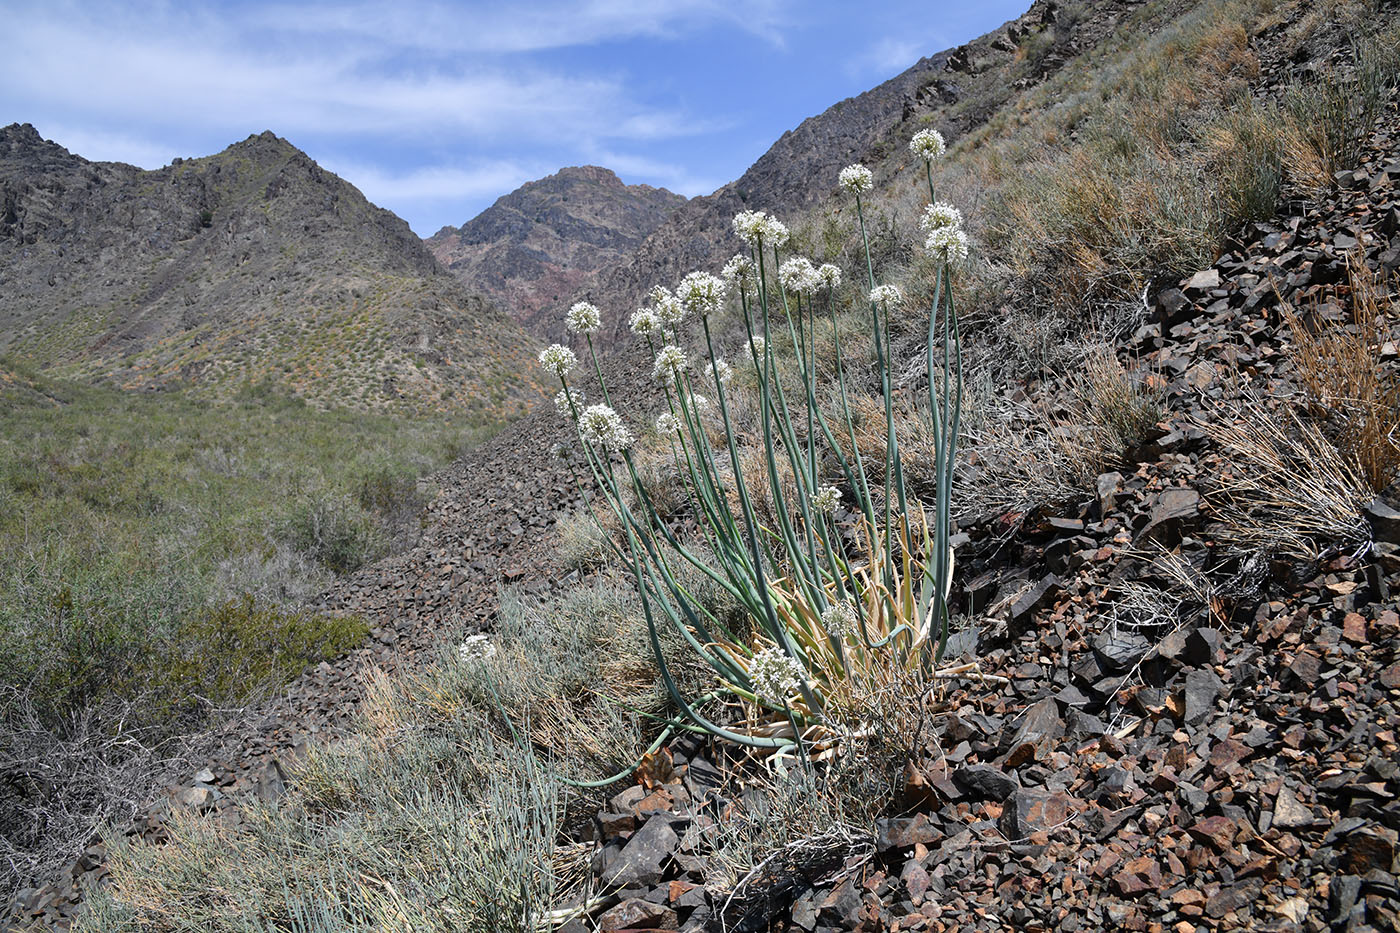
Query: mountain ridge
[[550, 237], [252, 265]]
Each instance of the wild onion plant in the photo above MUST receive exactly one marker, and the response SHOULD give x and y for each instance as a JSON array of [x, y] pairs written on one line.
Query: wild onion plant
[[838, 601]]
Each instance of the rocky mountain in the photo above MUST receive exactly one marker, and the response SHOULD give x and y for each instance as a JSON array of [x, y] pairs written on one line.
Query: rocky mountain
[[549, 238], [250, 267]]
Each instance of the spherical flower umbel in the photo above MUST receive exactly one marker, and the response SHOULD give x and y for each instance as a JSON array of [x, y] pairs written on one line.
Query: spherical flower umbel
[[558, 359], [701, 293], [670, 360], [840, 619], [562, 401], [670, 311], [886, 295], [600, 425], [583, 318], [940, 214], [828, 276], [754, 227], [948, 244], [928, 145], [826, 499], [798, 276], [720, 370], [699, 403], [775, 675], [760, 346], [739, 269], [666, 424], [476, 648], [856, 179], [643, 322]]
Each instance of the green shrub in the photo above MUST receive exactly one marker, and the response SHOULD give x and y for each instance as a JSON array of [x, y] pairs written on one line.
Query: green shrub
[[332, 530]]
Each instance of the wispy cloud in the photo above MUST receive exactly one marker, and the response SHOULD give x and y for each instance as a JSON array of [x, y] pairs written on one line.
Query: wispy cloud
[[890, 55]]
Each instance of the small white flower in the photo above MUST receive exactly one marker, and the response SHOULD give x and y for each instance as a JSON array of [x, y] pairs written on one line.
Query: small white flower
[[798, 276], [948, 244], [558, 359], [840, 619], [558, 451], [600, 425], [670, 311], [670, 361], [720, 370], [701, 293], [886, 295], [928, 145], [666, 424], [775, 675], [583, 318], [759, 346], [561, 401], [940, 214], [826, 499], [476, 648], [856, 178], [643, 322], [828, 276], [699, 403], [740, 270]]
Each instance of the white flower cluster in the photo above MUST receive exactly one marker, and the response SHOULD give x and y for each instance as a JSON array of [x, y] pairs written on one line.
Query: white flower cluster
[[670, 360], [583, 318], [940, 214], [798, 276], [670, 310], [701, 293], [828, 276], [476, 648], [856, 178], [840, 619], [740, 270], [886, 295], [948, 244], [928, 145], [600, 425], [720, 370], [558, 359], [826, 499], [699, 403], [643, 322], [558, 451], [667, 424], [754, 227], [760, 346], [561, 401], [775, 675]]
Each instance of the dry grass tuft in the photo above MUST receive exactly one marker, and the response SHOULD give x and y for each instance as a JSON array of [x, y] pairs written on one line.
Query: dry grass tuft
[[1349, 388], [1288, 489]]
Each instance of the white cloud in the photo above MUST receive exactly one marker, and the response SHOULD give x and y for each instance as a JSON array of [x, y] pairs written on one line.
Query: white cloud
[[434, 182], [891, 55], [514, 27], [101, 146]]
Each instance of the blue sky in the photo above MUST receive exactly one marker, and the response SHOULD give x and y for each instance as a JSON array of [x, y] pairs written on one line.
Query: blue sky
[[435, 109]]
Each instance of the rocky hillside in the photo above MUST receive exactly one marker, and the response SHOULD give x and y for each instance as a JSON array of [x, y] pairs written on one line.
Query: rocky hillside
[[253, 266], [549, 238]]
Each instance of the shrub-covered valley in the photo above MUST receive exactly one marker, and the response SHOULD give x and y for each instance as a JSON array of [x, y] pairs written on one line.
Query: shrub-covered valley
[[981, 513]]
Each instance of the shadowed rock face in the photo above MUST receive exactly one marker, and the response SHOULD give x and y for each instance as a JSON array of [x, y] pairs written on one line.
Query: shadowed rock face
[[253, 265], [549, 238]]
